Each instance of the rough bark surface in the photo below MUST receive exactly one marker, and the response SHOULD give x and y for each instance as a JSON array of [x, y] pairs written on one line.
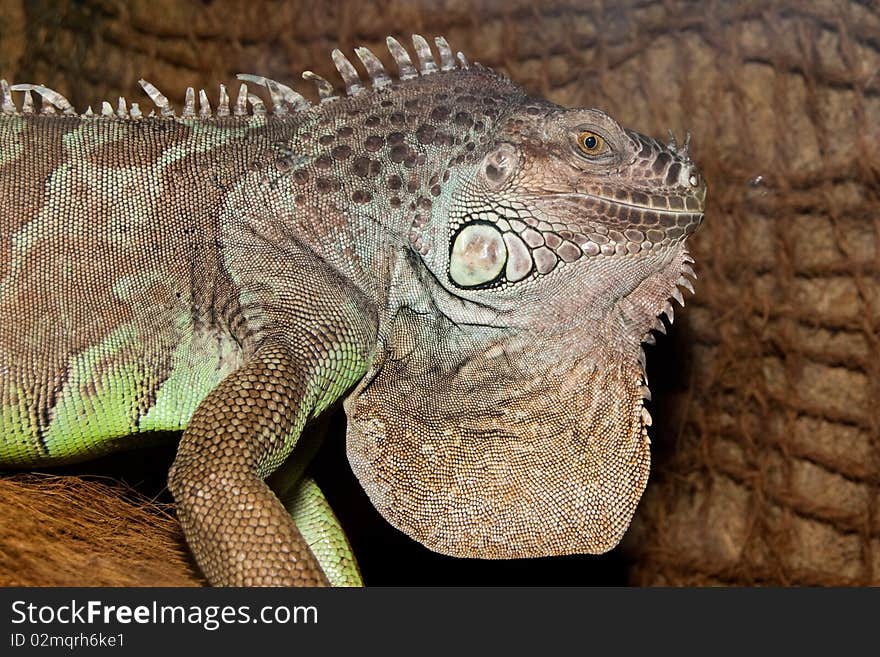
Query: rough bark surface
[[767, 441]]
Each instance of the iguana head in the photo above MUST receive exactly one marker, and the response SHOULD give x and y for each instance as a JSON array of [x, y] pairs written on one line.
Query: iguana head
[[565, 186], [504, 415]]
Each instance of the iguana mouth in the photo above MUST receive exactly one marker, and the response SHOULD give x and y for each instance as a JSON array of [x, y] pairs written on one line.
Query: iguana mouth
[[646, 208], [694, 204], [630, 222]]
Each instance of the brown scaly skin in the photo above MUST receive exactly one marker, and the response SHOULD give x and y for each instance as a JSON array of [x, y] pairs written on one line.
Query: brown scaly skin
[[480, 264], [265, 532]]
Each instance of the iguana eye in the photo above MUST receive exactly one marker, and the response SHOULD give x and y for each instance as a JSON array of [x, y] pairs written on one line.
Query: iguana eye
[[591, 143], [478, 255]]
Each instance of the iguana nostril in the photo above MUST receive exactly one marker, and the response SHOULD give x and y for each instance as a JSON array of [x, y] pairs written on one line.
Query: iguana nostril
[[695, 179]]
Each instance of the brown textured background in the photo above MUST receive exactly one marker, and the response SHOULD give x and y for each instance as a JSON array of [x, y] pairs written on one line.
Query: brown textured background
[[766, 437]]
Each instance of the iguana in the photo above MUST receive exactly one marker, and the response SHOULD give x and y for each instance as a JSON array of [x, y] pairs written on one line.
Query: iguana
[[471, 268]]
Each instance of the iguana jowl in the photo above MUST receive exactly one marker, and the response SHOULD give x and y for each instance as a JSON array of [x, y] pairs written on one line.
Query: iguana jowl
[[475, 268]]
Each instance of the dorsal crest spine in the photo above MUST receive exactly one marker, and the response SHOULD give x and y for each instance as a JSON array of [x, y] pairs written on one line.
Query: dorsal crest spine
[[283, 98]]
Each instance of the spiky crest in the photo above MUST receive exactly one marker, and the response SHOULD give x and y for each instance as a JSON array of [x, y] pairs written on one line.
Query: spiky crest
[[283, 98]]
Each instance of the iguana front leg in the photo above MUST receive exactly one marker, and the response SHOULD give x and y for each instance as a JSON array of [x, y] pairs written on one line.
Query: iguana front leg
[[239, 531]]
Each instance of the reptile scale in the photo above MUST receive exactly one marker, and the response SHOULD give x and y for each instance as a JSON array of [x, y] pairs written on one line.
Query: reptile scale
[[471, 268]]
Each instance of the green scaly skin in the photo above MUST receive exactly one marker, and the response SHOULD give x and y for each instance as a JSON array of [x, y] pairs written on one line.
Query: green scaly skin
[[471, 269]]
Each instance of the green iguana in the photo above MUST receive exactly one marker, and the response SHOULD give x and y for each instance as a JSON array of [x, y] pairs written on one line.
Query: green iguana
[[471, 268]]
